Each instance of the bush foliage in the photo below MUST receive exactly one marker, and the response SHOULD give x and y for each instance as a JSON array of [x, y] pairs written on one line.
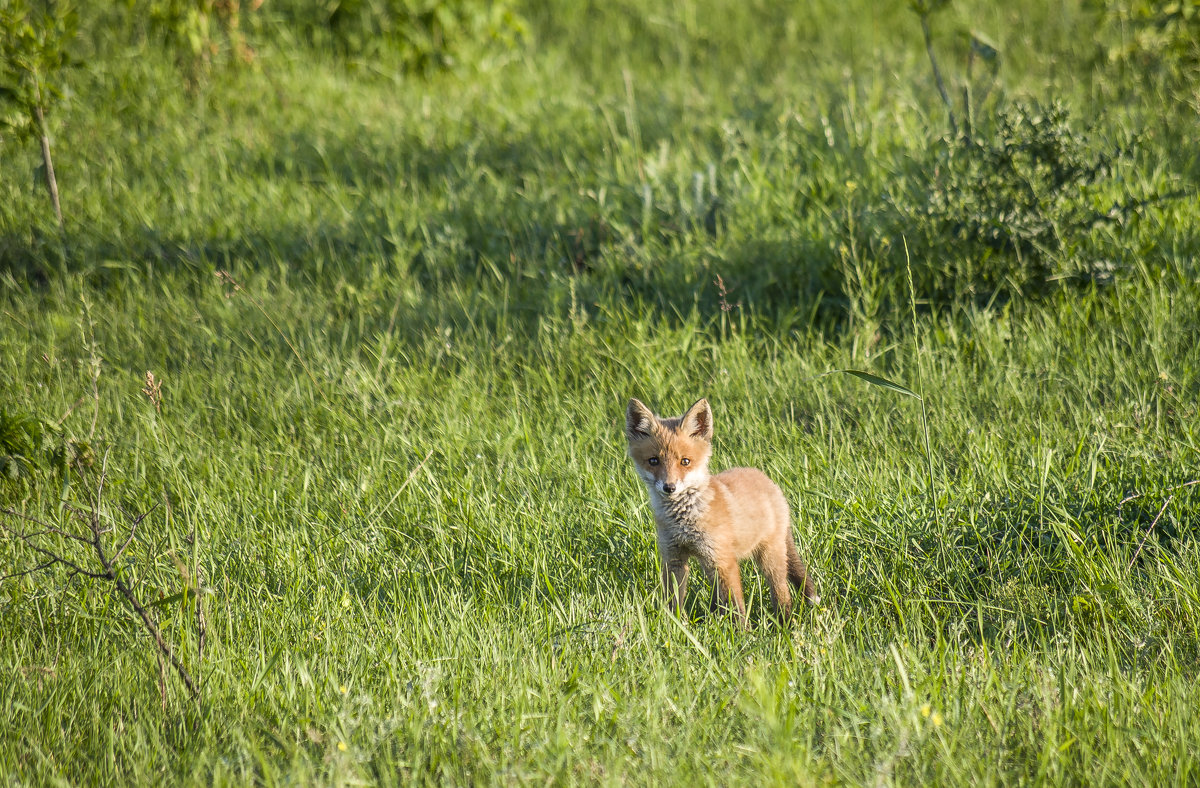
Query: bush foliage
[[33, 449], [999, 211]]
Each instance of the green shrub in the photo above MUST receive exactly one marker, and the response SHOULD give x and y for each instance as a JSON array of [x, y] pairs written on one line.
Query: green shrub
[[1154, 37], [34, 44], [31, 447], [201, 33], [424, 35], [997, 213]]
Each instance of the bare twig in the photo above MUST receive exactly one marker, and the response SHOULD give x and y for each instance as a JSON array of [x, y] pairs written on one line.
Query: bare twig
[[52, 557], [1135, 496], [29, 571], [937, 72], [154, 631], [90, 519], [201, 632], [1148, 530], [201, 621], [46, 528], [136, 521], [44, 132]]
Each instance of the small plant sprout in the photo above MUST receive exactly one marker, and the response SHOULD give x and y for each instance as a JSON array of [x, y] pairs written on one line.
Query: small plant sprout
[[33, 54]]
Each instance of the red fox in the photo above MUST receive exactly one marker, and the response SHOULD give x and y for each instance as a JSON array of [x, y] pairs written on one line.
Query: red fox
[[718, 519]]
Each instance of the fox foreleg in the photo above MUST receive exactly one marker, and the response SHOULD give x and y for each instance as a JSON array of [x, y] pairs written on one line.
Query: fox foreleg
[[726, 583], [674, 577]]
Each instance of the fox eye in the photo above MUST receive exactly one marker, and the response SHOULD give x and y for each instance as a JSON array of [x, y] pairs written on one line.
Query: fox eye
[[652, 461], [685, 461]]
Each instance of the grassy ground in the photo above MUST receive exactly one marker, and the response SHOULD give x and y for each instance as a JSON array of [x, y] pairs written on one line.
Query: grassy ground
[[389, 441]]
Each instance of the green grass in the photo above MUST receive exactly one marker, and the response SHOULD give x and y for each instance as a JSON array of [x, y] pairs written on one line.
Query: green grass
[[394, 457]]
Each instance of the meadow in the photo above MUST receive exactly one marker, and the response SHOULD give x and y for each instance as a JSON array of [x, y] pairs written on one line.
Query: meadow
[[345, 345]]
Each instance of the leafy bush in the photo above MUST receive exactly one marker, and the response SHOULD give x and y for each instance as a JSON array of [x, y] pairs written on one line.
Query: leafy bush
[[33, 48], [200, 32], [31, 447], [33, 53], [996, 213], [425, 35], [1154, 36]]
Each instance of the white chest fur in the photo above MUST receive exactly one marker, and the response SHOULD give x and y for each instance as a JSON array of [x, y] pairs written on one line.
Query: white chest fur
[[678, 518]]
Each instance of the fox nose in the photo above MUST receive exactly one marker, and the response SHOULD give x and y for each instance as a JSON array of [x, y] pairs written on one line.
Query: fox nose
[[668, 488]]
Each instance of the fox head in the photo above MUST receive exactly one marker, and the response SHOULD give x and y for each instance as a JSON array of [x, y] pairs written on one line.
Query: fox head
[[671, 455]]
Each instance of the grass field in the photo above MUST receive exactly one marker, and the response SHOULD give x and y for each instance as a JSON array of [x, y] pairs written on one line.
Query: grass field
[[393, 321]]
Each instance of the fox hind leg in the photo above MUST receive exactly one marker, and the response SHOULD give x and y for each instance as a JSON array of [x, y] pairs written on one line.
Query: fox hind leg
[[774, 566], [797, 573]]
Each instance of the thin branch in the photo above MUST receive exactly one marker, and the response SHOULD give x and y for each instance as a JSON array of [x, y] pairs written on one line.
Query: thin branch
[[154, 631], [92, 520], [937, 72], [46, 528], [138, 519], [201, 622], [1135, 496], [37, 568], [132, 531], [201, 628], [44, 132], [76, 568], [1148, 530], [49, 529]]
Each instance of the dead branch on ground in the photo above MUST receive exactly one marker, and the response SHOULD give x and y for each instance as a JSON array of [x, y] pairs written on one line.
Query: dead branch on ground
[[88, 527]]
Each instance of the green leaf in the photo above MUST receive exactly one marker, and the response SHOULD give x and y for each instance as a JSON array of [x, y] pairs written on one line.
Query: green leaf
[[983, 46], [266, 669], [167, 601], [875, 380]]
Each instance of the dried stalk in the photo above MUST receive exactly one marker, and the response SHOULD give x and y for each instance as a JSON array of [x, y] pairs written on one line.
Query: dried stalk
[[44, 134]]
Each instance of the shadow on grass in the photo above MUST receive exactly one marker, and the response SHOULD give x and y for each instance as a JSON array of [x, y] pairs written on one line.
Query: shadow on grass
[[1020, 570], [479, 216]]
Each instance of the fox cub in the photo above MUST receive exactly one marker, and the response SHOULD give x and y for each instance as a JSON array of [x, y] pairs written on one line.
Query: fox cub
[[718, 519]]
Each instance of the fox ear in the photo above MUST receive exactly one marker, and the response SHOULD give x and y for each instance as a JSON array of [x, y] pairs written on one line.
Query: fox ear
[[697, 422], [639, 421]]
